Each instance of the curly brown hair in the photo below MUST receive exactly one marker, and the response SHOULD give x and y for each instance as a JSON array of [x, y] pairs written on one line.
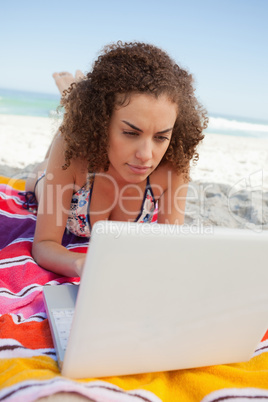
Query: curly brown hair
[[127, 68]]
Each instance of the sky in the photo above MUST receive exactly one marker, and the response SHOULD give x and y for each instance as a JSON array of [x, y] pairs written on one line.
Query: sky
[[223, 43]]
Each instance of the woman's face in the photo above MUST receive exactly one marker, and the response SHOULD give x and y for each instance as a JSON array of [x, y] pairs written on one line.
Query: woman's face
[[139, 135]]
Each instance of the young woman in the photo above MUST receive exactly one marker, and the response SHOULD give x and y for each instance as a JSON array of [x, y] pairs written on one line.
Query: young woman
[[130, 129]]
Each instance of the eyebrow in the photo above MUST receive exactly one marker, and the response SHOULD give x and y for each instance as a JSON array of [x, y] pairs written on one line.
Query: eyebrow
[[140, 130]]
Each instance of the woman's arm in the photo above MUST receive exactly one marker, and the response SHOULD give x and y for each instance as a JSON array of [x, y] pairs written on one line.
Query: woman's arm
[[55, 194], [171, 205]]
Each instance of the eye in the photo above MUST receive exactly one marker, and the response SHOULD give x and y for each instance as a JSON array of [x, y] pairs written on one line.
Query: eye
[[162, 138], [130, 133]]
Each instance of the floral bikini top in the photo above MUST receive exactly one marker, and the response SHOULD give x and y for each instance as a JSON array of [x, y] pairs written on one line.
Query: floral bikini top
[[78, 221]]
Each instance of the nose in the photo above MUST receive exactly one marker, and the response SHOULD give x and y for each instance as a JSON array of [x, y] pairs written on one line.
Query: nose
[[144, 151]]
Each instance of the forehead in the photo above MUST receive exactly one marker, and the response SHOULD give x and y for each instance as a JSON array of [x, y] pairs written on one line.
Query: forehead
[[144, 107]]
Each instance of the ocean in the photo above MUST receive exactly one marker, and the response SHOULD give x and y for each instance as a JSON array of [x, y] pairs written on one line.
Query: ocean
[[28, 103], [45, 105], [237, 126]]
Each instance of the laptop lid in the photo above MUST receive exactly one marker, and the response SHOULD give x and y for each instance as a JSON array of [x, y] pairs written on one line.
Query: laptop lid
[[158, 297]]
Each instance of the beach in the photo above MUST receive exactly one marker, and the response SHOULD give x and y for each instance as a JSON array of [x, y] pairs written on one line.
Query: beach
[[24, 141], [229, 184]]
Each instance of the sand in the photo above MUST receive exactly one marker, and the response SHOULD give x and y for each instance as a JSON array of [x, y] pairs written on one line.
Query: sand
[[229, 183], [24, 141]]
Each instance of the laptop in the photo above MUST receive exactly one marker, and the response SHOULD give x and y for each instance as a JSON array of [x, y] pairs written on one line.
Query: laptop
[[156, 297]]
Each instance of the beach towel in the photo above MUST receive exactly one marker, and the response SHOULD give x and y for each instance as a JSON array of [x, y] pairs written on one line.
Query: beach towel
[[28, 365]]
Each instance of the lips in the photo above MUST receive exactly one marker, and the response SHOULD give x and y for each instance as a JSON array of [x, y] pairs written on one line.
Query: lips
[[137, 169]]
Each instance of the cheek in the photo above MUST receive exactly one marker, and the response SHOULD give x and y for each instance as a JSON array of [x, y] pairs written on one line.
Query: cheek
[[115, 148], [115, 145], [163, 150], [111, 141]]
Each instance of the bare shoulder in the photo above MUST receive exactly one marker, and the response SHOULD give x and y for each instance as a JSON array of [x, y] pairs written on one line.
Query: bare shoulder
[[165, 177], [56, 192], [75, 173], [170, 190]]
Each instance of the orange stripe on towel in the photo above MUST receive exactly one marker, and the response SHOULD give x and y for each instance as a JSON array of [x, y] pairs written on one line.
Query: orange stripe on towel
[[32, 335], [265, 336]]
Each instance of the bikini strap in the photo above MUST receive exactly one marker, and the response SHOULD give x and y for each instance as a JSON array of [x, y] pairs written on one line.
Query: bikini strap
[[91, 185], [30, 203], [148, 187]]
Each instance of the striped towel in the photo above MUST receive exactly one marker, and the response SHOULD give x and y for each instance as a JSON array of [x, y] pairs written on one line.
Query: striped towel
[[28, 366]]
